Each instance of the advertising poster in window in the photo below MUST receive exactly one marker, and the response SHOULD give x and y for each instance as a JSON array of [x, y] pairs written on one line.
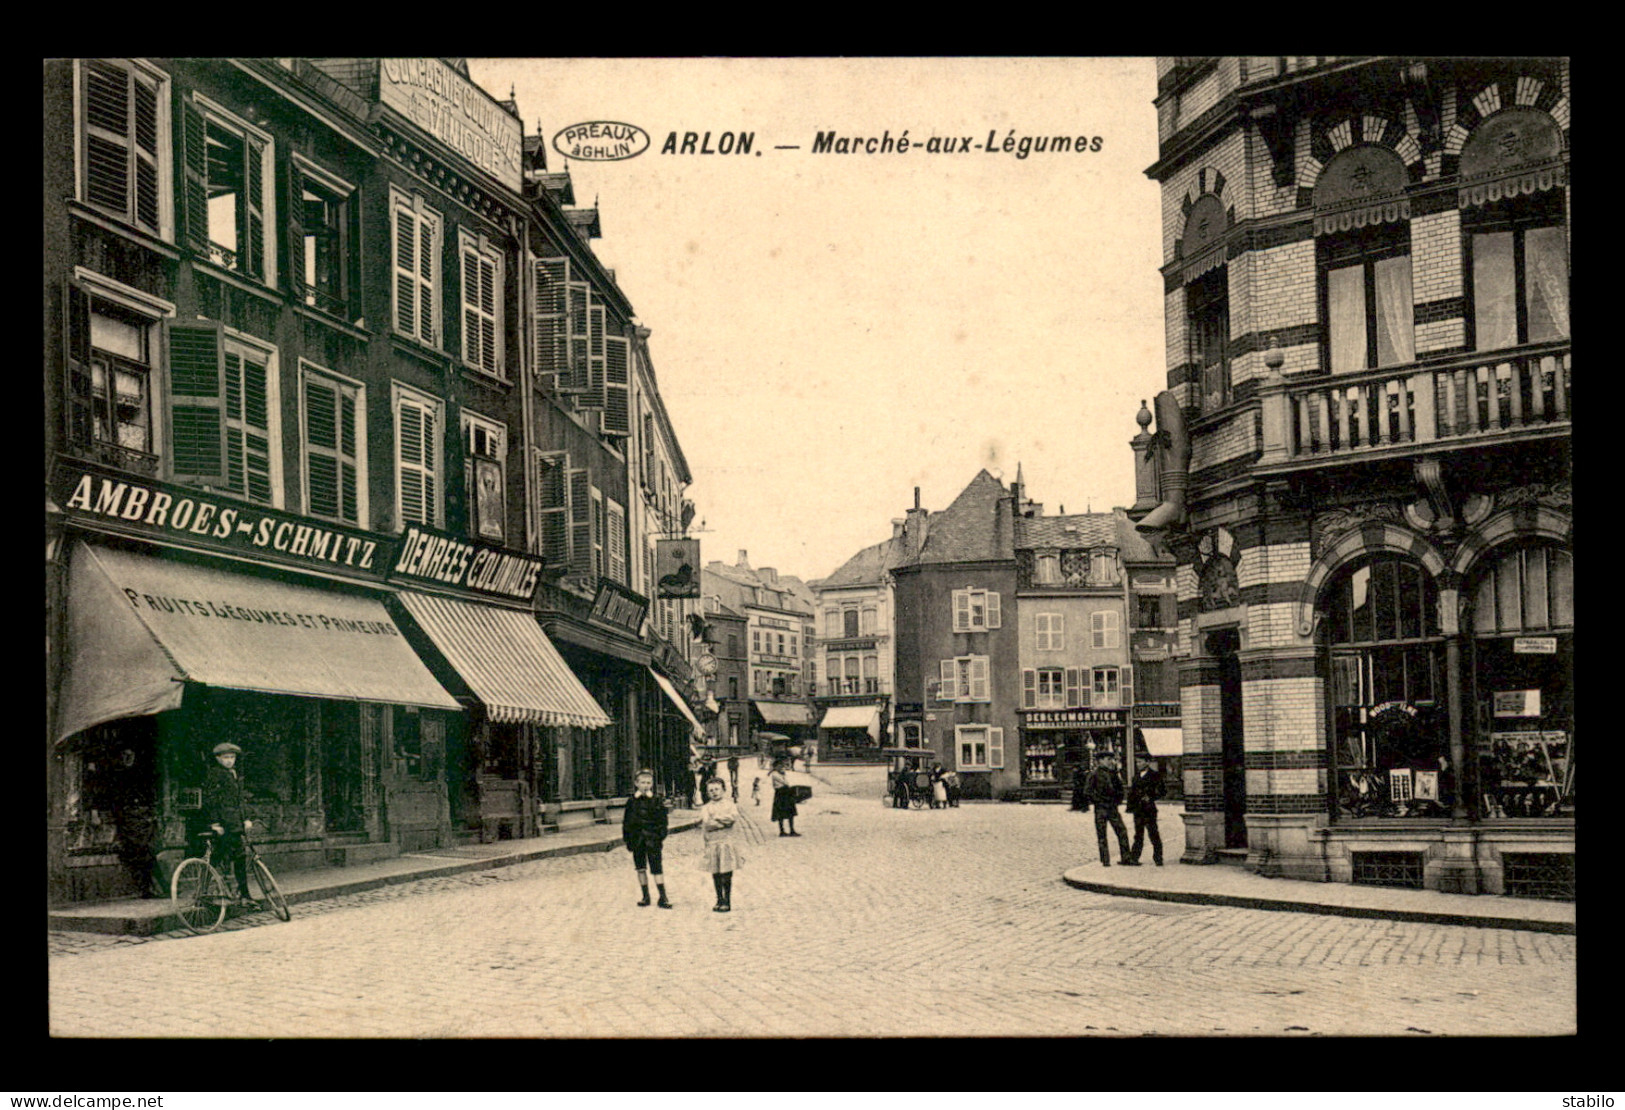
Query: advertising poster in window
[[489, 509]]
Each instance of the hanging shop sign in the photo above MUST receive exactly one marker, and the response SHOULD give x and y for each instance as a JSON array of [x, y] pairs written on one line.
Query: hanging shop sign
[[677, 568], [619, 607], [457, 112], [426, 555], [1517, 703], [113, 501], [1534, 645], [1076, 718]]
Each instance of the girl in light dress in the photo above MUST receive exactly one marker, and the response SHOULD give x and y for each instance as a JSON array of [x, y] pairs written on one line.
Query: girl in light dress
[[720, 822]]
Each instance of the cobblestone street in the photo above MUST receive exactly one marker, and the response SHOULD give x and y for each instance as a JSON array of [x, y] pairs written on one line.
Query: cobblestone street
[[875, 922]]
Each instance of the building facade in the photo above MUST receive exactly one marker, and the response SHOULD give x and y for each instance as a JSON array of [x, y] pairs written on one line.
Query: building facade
[[852, 696], [1362, 465], [778, 613], [297, 433]]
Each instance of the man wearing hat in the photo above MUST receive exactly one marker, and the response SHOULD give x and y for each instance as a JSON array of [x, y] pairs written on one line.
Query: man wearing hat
[[222, 813]]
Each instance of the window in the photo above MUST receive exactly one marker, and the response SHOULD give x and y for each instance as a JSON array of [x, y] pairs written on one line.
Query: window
[[911, 733], [780, 649], [975, 610], [1103, 628], [485, 468], [849, 623], [229, 202], [617, 542], [1520, 273], [113, 345], [733, 688], [794, 650], [1054, 688], [482, 304], [252, 460], [733, 646], [965, 679], [1051, 629], [417, 458], [1102, 568], [853, 666], [1051, 688], [1527, 590], [980, 748], [553, 509], [123, 138], [1148, 610], [1366, 285], [1105, 688], [334, 430], [415, 235], [1207, 319], [871, 674], [325, 240], [832, 623], [866, 625], [756, 640], [1047, 570]]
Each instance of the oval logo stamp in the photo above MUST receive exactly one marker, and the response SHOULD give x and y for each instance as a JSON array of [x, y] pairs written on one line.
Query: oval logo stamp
[[601, 141]]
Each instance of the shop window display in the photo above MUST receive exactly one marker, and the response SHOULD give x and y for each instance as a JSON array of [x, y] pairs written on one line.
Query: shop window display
[[1391, 738]]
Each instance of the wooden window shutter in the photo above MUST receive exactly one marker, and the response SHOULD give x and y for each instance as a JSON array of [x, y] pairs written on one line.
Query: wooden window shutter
[[428, 277], [1125, 690], [322, 440], [553, 488], [961, 610], [420, 496], [254, 207], [146, 152], [552, 319], [995, 748], [107, 136], [248, 427], [581, 563], [197, 403], [293, 224], [1097, 629], [406, 267], [349, 471], [595, 396], [1085, 693], [618, 386], [949, 672], [1057, 631], [195, 175], [1029, 688], [76, 335], [978, 678], [1072, 698], [580, 303], [992, 610]]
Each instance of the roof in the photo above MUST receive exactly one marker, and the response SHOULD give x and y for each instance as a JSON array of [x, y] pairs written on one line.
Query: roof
[[968, 529], [1079, 531], [867, 566]]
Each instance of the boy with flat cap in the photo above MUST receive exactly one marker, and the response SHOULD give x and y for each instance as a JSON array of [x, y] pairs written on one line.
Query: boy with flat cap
[[222, 813]]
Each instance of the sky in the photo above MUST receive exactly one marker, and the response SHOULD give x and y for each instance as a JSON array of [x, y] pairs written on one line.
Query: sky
[[831, 330]]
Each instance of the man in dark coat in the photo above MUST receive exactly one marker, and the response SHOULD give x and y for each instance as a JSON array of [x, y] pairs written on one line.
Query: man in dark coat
[[643, 831], [733, 775], [222, 813], [1143, 793], [1104, 789], [135, 814]]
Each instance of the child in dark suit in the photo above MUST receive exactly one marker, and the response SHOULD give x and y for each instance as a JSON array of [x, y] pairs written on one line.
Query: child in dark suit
[[643, 831]]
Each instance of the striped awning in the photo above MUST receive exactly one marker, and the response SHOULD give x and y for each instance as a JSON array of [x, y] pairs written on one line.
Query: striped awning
[[1523, 182], [676, 699], [781, 713], [1385, 211], [141, 628], [507, 661]]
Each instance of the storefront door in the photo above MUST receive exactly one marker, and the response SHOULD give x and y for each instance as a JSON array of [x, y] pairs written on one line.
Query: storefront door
[[1225, 644], [342, 768]]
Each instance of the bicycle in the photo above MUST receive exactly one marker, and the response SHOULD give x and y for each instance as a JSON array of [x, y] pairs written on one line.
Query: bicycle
[[200, 895]]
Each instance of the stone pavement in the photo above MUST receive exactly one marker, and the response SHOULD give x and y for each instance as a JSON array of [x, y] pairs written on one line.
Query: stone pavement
[[876, 922]]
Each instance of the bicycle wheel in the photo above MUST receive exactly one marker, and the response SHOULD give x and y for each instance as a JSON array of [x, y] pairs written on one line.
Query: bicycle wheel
[[268, 888], [198, 894]]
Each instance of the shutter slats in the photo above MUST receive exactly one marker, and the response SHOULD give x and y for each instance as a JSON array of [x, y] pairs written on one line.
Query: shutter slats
[[618, 384], [195, 154], [254, 208], [197, 402], [552, 352]]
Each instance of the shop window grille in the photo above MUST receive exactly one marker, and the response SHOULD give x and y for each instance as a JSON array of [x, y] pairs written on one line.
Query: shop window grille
[[1389, 869], [1547, 875]]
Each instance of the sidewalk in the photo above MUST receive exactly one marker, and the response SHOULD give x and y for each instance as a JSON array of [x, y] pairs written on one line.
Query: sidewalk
[[145, 916], [1229, 885]]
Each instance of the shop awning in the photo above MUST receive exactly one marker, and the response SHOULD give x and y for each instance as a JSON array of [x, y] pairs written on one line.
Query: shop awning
[[507, 660], [850, 716], [1164, 741], [676, 699], [781, 713], [140, 627]]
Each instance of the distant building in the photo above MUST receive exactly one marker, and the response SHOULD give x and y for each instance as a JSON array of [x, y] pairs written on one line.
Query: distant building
[[852, 701], [778, 613]]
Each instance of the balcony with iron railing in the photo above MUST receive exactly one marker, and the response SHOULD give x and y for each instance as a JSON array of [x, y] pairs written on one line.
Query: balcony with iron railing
[[846, 687], [1472, 400]]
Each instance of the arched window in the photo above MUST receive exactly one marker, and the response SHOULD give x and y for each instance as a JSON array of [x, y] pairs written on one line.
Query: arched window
[[1363, 243], [1387, 687], [1207, 300]]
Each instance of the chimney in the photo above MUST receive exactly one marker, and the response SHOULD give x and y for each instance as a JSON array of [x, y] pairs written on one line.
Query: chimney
[[897, 523], [743, 562], [768, 575]]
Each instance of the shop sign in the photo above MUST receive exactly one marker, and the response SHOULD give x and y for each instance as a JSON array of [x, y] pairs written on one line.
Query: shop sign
[[426, 555], [1517, 703], [203, 519], [619, 607], [677, 568], [1534, 645], [457, 112], [1076, 718]]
